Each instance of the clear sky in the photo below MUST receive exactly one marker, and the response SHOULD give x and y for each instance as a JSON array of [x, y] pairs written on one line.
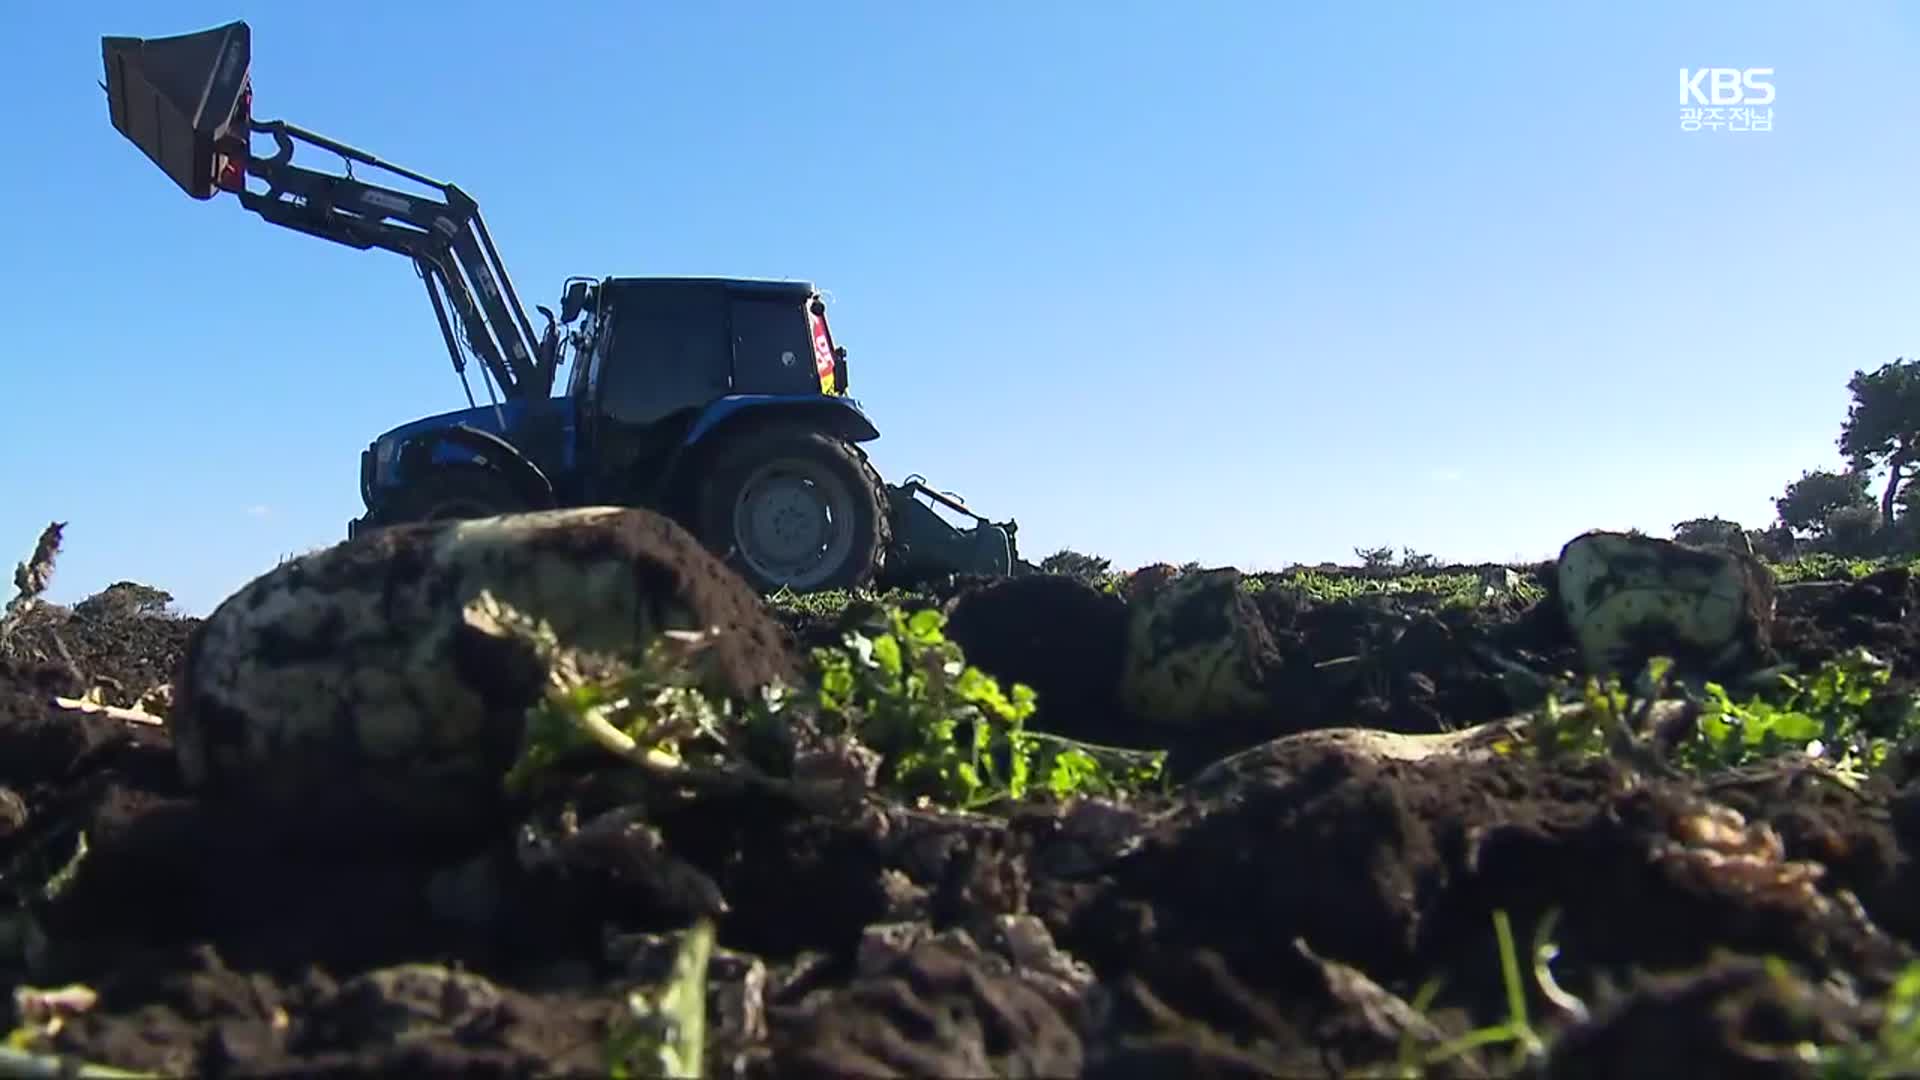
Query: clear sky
[[1248, 283]]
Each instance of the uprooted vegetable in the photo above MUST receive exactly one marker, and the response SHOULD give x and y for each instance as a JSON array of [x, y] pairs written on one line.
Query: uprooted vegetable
[[945, 732]]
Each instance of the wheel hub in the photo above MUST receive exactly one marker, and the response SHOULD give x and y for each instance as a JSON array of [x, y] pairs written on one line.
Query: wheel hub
[[792, 523], [788, 522]]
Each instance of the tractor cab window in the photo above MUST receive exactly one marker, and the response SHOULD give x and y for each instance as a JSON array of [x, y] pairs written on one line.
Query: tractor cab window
[[668, 353], [772, 351]]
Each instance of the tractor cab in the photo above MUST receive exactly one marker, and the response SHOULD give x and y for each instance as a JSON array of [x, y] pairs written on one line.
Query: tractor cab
[[660, 363], [750, 335]]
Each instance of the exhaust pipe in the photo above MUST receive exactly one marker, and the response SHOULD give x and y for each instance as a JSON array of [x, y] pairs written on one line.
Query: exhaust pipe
[[186, 102]]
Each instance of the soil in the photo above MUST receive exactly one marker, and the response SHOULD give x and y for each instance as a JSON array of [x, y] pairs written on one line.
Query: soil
[[1276, 918]]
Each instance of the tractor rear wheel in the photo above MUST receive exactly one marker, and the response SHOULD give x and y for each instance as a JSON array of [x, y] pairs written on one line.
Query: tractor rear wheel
[[451, 494], [795, 508]]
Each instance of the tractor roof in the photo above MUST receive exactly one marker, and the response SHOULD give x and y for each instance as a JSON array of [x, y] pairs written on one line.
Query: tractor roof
[[775, 288]]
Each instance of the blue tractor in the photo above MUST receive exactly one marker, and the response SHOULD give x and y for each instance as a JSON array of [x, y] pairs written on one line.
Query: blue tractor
[[719, 401]]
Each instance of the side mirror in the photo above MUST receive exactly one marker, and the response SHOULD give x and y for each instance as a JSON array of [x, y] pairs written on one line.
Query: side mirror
[[575, 301]]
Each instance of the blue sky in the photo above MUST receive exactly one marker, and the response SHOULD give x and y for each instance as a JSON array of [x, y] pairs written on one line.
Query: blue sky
[[1247, 283]]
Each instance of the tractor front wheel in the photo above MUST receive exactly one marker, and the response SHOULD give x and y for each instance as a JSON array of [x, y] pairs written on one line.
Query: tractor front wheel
[[794, 508]]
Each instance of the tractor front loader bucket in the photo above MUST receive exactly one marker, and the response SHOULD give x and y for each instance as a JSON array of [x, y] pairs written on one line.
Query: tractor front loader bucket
[[926, 544], [185, 101]]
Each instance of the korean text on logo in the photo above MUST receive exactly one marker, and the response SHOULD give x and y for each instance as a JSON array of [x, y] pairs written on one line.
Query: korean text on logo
[[1726, 99]]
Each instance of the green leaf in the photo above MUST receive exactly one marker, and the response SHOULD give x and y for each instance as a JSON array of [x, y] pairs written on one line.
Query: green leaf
[[905, 693], [1795, 727], [836, 687], [886, 652], [925, 626]]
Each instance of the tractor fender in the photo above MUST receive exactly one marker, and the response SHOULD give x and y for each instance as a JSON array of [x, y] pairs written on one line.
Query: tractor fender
[[838, 416], [486, 450], [734, 414]]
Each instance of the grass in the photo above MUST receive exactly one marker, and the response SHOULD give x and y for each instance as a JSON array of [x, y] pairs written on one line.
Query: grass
[[1516, 1031], [664, 1031], [1836, 567], [1443, 588], [832, 602], [1449, 587], [1893, 1049]]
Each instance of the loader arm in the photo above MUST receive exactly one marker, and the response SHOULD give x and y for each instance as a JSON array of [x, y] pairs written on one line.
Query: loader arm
[[446, 238], [186, 102]]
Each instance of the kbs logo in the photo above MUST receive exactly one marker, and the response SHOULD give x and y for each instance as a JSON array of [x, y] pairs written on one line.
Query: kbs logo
[[1725, 86], [1729, 97]]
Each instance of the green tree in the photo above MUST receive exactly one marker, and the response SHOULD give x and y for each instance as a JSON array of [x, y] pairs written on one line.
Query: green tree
[[1775, 543], [1903, 535], [1709, 532], [1809, 501], [1855, 531], [1375, 559], [125, 600], [1075, 564], [1883, 426]]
